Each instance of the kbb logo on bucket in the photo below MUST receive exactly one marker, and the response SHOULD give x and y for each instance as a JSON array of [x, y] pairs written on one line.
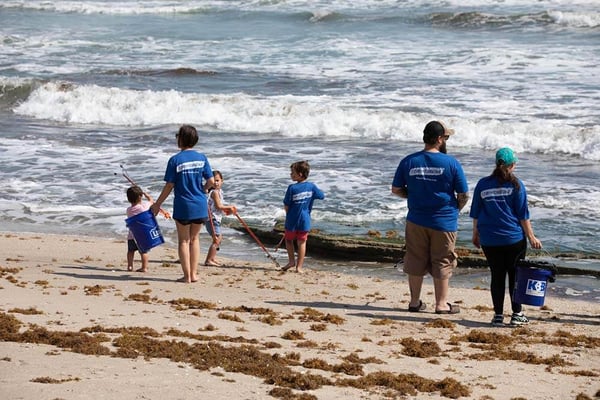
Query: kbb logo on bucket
[[154, 233], [535, 288]]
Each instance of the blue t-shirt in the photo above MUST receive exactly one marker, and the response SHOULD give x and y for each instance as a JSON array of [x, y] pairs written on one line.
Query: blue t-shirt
[[499, 208], [299, 199], [186, 170], [432, 180]]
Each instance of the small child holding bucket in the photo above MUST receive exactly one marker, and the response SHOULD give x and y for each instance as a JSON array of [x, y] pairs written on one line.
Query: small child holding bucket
[[501, 227], [216, 209], [134, 196]]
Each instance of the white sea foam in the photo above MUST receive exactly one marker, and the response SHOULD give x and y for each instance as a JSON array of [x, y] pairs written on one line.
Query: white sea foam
[[110, 7], [13, 81], [576, 19], [307, 116], [171, 7]]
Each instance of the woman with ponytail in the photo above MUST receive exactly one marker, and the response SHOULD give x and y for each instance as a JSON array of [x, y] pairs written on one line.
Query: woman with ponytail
[[501, 228]]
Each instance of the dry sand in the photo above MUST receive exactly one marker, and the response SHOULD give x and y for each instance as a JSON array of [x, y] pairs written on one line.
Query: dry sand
[[76, 325]]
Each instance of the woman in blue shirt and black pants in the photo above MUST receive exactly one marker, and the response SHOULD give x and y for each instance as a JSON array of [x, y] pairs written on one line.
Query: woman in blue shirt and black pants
[[501, 227]]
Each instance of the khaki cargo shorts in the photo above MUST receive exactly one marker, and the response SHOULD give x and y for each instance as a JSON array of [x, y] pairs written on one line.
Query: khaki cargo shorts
[[429, 251]]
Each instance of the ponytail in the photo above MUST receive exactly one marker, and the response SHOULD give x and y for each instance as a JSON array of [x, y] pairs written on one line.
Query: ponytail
[[503, 175]]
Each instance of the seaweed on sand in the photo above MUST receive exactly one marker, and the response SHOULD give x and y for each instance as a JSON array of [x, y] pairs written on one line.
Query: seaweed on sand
[[246, 359]]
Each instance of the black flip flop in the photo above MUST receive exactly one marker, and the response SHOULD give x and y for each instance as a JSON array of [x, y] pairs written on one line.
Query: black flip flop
[[422, 306], [454, 309]]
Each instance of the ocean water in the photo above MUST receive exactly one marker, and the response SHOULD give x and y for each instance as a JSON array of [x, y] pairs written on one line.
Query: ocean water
[[89, 86]]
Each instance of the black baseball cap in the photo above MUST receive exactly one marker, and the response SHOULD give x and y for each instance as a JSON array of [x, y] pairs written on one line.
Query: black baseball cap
[[435, 129]]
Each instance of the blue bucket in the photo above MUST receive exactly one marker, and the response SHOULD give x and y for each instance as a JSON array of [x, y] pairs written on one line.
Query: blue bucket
[[531, 285], [145, 230]]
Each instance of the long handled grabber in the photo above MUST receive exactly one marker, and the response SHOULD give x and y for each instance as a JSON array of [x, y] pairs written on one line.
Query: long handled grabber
[[262, 246], [280, 243], [165, 214]]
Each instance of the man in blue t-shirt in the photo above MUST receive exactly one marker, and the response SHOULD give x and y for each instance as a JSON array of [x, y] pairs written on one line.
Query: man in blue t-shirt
[[436, 188]]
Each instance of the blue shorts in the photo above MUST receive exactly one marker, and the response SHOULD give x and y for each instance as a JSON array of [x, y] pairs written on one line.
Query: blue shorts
[[217, 226], [132, 246]]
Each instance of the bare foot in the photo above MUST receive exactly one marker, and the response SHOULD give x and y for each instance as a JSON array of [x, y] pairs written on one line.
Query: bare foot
[[183, 279], [299, 270], [212, 264], [288, 266], [141, 270], [130, 268]]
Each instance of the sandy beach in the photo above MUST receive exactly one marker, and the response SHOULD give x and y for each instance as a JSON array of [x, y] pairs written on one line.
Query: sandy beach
[[77, 325]]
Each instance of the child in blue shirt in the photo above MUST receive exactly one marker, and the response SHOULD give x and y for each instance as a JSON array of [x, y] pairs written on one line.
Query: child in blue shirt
[[298, 202], [188, 175]]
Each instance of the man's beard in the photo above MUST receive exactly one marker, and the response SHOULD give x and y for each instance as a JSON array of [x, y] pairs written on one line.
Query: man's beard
[[442, 147]]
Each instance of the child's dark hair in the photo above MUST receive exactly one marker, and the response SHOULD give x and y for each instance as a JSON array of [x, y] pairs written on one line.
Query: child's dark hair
[[301, 168], [216, 173], [134, 194], [187, 136]]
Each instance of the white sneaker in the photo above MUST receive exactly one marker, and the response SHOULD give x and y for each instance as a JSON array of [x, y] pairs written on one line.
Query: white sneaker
[[518, 319]]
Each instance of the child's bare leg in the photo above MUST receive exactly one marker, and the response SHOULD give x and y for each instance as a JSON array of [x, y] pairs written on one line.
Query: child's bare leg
[[301, 255], [184, 259], [130, 255], [183, 247], [194, 251], [145, 261], [211, 255], [289, 246]]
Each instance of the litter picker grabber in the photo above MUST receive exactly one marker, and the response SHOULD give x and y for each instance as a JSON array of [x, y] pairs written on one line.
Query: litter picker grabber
[[280, 243], [165, 214], [262, 246]]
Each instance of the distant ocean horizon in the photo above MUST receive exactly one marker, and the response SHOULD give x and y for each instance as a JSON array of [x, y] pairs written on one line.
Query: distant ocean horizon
[[88, 86]]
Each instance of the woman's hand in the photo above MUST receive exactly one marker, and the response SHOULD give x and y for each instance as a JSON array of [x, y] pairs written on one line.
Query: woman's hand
[[475, 240], [535, 243]]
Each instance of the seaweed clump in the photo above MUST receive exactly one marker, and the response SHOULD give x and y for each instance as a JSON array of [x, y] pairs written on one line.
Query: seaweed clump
[[424, 349], [78, 342], [409, 384]]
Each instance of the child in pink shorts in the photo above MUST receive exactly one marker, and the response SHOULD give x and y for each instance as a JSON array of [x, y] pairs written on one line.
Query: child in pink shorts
[[298, 202]]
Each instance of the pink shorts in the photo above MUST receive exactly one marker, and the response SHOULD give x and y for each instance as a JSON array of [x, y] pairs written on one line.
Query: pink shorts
[[429, 251], [296, 235]]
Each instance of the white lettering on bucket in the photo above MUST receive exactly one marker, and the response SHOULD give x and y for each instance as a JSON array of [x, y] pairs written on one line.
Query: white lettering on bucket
[[535, 288], [154, 233]]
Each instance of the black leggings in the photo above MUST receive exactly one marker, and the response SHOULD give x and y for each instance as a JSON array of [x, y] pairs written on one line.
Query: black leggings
[[502, 261]]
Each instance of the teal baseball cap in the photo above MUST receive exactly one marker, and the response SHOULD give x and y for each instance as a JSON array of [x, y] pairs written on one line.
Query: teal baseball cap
[[506, 156]]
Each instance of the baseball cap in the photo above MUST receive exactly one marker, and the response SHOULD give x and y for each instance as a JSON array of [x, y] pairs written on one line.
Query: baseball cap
[[434, 129], [506, 156]]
